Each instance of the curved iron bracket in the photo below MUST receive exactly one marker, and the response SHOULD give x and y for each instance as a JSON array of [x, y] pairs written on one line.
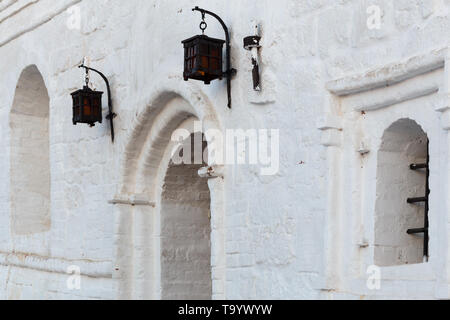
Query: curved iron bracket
[[230, 72], [111, 115]]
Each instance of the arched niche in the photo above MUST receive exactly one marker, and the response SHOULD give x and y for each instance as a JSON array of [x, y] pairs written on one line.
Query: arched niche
[[29, 156], [403, 143]]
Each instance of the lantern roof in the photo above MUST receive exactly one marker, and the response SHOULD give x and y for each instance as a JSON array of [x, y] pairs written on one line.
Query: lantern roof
[[86, 89], [204, 37]]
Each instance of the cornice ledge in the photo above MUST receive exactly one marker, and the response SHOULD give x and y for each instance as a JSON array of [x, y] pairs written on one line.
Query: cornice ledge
[[389, 74]]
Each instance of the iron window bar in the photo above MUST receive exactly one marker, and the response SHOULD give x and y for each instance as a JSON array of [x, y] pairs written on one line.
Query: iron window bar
[[417, 200], [425, 229]]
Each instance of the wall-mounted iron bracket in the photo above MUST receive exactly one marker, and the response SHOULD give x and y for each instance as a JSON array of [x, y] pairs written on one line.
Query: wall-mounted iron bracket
[[251, 44], [229, 72]]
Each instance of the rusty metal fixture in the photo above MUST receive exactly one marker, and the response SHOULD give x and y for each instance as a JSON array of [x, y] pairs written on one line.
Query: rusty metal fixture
[[251, 43]]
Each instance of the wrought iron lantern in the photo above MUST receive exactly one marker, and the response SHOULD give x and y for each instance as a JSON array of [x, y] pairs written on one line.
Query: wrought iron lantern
[[87, 106], [203, 56], [87, 103]]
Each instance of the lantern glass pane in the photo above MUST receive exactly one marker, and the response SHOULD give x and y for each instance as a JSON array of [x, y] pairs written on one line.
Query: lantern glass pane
[[86, 106], [86, 110], [197, 62], [96, 106], [204, 62], [215, 65], [214, 51]]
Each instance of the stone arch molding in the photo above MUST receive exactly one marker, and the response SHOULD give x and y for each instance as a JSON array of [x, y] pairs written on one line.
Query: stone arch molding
[[360, 108], [137, 202]]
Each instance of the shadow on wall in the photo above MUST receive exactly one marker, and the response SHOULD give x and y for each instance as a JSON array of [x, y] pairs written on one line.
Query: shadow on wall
[[30, 165], [403, 144]]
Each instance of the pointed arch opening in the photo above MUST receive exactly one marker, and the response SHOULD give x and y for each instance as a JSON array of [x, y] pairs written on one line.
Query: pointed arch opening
[[186, 225], [29, 156], [149, 173]]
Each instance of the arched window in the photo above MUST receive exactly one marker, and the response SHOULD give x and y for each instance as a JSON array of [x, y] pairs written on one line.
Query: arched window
[[186, 229], [401, 212], [30, 165]]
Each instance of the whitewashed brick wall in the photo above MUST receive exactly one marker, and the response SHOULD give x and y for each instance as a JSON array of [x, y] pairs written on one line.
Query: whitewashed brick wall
[[306, 232]]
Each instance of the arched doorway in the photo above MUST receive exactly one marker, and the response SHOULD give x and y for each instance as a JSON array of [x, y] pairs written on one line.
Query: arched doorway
[[30, 164], [186, 227], [155, 227]]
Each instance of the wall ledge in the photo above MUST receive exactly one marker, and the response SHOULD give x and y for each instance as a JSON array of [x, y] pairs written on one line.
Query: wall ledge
[[389, 74], [132, 200], [88, 268]]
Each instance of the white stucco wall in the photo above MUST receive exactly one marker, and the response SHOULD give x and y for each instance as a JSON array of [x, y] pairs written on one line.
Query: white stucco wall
[[304, 233]]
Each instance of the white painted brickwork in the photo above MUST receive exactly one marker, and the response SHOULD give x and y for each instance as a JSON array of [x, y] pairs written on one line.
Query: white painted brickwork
[[333, 82], [185, 235]]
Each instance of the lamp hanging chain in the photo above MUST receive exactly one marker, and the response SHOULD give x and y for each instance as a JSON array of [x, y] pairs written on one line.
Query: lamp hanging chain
[[86, 78], [203, 24]]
